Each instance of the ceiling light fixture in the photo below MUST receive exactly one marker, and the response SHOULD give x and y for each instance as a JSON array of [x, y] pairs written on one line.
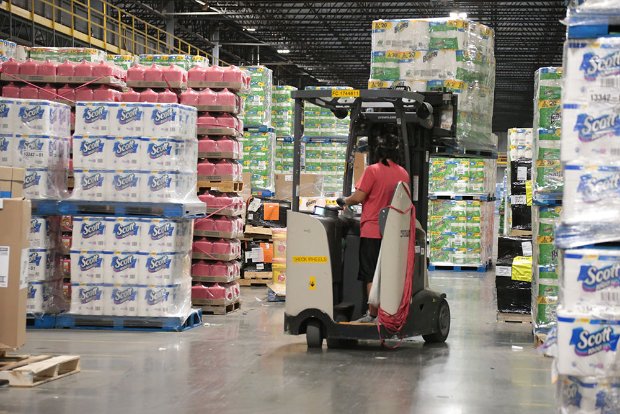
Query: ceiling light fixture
[[284, 51], [457, 15], [250, 29], [202, 3]]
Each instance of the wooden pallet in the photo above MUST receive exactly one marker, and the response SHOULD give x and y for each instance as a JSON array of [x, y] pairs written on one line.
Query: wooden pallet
[[223, 186], [256, 279], [508, 317], [30, 371], [221, 309]]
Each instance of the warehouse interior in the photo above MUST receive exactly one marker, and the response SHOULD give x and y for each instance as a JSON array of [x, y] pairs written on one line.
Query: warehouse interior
[[266, 206]]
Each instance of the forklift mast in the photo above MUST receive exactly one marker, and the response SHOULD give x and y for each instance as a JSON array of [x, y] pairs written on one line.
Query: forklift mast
[[424, 122]]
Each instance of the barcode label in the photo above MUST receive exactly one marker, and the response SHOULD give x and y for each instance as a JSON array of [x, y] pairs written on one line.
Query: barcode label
[[612, 296], [516, 200], [610, 82], [4, 266]]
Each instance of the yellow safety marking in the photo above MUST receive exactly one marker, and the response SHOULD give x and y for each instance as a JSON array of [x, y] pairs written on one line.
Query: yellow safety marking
[[309, 259], [312, 283], [345, 93]]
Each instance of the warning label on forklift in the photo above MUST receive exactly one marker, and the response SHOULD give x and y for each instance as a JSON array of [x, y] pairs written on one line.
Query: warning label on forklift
[[310, 259], [345, 93]]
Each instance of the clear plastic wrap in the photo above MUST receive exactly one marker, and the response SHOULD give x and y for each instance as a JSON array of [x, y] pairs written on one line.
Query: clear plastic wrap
[[282, 110], [183, 61], [36, 136], [285, 153], [321, 122], [449, 176], [432, 54], [588, 342], [545, 260], [72, 54], [326, 157], [518, 219], [547, 173], [257, 100], [44, 273], [461, 232], [259, 158], [135, 152], [588, 395], [128, 266]]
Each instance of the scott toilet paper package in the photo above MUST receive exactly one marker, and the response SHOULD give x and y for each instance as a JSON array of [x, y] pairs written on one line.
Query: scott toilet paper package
[[588, 395], [591, 70], [591, 132], [588, 344], [591, 278]]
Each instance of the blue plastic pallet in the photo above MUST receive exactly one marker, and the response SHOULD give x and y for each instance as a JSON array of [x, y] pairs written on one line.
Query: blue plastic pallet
[[547, 201], [460, 268], [120, 208], [481, 197], [120, 323], [40, 321], [45, 207], [258, 128]]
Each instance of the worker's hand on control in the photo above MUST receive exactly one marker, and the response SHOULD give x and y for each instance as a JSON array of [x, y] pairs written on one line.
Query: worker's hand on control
[[341, 202]]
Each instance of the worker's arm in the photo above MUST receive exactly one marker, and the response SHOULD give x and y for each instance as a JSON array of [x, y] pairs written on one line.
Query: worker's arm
[[357, 197]]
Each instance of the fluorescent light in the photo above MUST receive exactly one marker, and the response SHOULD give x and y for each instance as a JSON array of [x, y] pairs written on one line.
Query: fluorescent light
[[202, 3], [457, 15], [250, 29], [284, 51]]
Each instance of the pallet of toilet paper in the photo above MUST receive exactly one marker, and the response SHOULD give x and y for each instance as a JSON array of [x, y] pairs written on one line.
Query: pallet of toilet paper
[[588, 395], [130, 266], [35, 136], [433, 54], [134, 152]]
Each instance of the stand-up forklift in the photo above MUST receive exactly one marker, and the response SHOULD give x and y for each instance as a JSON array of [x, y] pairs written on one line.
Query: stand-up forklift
[[323, 292]]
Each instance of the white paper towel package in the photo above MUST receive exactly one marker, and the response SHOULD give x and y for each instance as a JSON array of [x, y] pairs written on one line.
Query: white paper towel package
[[588, 344], [588, 395], [590, 132], [591, 278], [591, 68]]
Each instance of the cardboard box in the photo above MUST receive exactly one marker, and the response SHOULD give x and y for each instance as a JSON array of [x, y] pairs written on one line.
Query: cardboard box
[[12, 182], [15, 225], [359, 165], [310, 185]]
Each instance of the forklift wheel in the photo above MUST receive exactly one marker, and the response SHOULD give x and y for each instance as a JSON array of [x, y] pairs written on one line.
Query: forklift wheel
[[314, 336], [443, 325]]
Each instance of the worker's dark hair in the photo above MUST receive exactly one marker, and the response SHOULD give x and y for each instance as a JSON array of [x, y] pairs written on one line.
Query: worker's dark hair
[[388, 146]]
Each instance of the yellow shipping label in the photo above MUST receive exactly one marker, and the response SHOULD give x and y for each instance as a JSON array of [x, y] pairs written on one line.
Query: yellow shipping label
[[522, 269], [345, 93], [528, 193], [381, 25], [309, 259], [545, 239]]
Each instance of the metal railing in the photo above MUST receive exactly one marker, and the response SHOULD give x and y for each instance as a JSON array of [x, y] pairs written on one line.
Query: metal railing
[[102, 25]]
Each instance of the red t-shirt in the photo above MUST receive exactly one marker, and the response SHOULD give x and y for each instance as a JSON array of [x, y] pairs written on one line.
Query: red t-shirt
[[378, 182]]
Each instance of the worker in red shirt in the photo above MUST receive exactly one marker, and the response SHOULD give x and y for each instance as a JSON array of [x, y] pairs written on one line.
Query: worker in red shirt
[[374, 191]]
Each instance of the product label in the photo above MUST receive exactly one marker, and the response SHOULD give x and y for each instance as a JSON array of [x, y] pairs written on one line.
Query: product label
[[591, 128], [595, 189], [122, 182], [155, 296], [91, 147], [161, 117], [594, 65], [594, 279], [126, 116], [156, 264], [90, 230], [32, 179], [91, 115], [88, 295], [159, 232], [124, 148], [90, 262], [4, 144], [120, 296], [159, 183], [122, 231], [589, 343], [4, 266], [4, 110], [157, 151], [92, 181], [120, 263], [29, 114]]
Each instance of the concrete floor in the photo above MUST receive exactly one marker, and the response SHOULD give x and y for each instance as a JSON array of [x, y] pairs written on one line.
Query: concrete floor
[[243, 363]]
